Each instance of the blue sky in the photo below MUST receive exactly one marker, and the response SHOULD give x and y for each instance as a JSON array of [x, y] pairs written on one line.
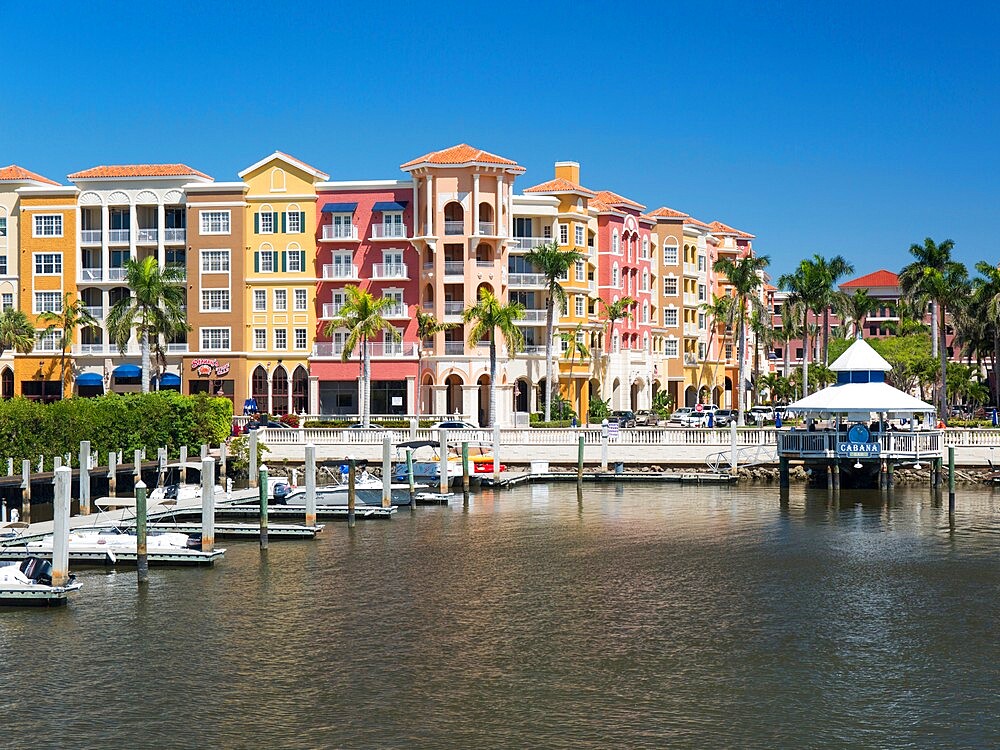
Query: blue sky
[[852, 128]]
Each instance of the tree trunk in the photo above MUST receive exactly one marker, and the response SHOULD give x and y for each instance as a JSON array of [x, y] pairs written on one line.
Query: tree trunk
[[548, 359], [493, 381], [996, 358], [943, 351], [741, 353], [805, 358], [826, 336], [366, 384], [145, 361], [62, 373], [934, 325]]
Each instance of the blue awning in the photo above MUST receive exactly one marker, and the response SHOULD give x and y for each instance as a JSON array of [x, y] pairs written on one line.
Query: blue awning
[[127, 371], [339, 208], [90, 378], [389, 206], [170, 379]]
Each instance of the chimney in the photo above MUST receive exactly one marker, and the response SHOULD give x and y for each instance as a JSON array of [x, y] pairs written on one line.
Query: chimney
[[568, 170]]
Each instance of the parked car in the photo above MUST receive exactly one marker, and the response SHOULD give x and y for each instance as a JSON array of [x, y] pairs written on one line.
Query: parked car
[[454, 424], [250, 426], [647, 418], [679, 414], [623, 418], [696, 419], [724, 417], [760, 415]]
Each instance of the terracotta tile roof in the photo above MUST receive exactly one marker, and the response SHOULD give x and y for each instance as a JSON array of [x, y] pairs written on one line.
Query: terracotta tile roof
[[718, 227], [559, 185], [613, 199], [876, 278], [14, 173], [695, 222], [599, 206], [139, 170], [669, 213], [463, 153]]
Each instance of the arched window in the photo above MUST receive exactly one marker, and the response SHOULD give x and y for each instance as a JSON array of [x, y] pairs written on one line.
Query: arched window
[[277, 180], [300, 390], [645, 312], [645, 341], [279, 390], [645, 281], [645, 247], [258, 389], [615, 246], [614, 276]]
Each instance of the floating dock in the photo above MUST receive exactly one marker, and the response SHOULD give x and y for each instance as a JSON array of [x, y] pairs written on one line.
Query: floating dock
[[242, 530], [96, 556], [512, 480], [329, 512]]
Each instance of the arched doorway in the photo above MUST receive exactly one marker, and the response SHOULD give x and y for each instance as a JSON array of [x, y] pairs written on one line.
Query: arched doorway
[[484, 400], [690, 396], [521, 391], [729, 393], [427, 394], [258, 389], [635, 392], [717, 395], [454, 218], [616, 387], [279, 390], [453, 394], [300, 390], [7, 384]]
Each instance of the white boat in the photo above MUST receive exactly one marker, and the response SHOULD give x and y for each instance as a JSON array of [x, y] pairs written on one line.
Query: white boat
[[368, 491], [179, 493], [29, 583], [112, 545]]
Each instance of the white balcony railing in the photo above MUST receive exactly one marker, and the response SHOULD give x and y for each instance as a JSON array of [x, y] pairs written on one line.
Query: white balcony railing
[[454, 268], [90, 236], [388, 232], [485, 263], [526, 279], [116, 274], [529, 243], [486, 227], [97, 313], [92, 349], [339, 232], [347, 271], [454, 308], [376, 349], [331, 310], [174, 235], [454, 347], [118, 236], [534, 350], [390, 271], [396, 311], [92, 274], [690, 298], [533, 317], [690, 269], [147, 236], [454, 227]]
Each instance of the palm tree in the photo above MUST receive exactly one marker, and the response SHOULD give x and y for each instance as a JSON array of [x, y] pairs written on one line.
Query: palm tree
[[427, 326], [763, 335], [856, 308], [72, 316], [718, 311], [553, 263], [829, 272], [612, 312], [745, 275], [987, 297], [491, 315], [789, 331], [16, 332], [934, 277], [361, 315], [153, 312], [805, 294], [574, 345]]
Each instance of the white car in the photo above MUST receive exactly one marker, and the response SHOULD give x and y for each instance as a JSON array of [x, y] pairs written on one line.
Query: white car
[[760, 415], [696, 419], [679, 415], [454, 424]]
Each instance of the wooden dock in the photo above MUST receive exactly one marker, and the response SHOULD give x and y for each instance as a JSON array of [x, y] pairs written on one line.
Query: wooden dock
[[109, 558], [329, 512], [510, 479], [241, 530]]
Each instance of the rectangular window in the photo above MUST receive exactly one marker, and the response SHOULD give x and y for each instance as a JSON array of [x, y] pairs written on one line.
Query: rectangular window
[[293, 261], [670, 316], [701, 263], [301, 338], [265, 261], [47, 302], [48, 225], [398, 308], [701, 321], [301, 299], [729, 351], [259, 338], [701, 350], [215, 339], [670, 256], [281, 300], [579, 306], [581, 271], [702, 293], [214, 222], [260, 300], [48, 341], [48, 264], [670, 287], [265, 222], [564, 234], [294, 222], [547, 232], [3, 265], [579, 240], [215, 300], [3, 226], [280, 338], [522, 227], [670, 347], [215, 261], [6, 301]]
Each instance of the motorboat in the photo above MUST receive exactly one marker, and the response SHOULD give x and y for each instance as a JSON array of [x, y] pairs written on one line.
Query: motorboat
[[114, 545], [368, 491], [29, 583], [426, 460], [179, 493]]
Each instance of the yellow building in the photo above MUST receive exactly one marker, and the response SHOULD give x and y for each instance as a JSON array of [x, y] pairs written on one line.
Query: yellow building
[[47, 264], [281, 277]]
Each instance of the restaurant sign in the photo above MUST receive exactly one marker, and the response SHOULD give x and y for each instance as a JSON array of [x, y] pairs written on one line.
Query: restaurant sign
[[205, 367], [858, 444]]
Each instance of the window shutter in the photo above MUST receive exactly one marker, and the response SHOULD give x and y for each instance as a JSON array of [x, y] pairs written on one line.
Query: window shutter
[[256, 223], [302, 221], [274, 222], [283, 215], [274, 261], [256, 258], [284, 261], [302, 260]]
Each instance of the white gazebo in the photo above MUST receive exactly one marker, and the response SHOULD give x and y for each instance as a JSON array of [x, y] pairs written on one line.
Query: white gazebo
[[858, 437]]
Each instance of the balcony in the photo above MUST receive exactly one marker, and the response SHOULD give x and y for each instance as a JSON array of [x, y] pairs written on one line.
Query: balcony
[[536, 280], [523, 244], [90, 236], [396, 311], [454, 347], [428, 305], [454, 227], [690, 298], [343, 271], [339, 232], [454, 268], [331, 310], [177, 348], [118, 236], [487, 228], [592, 286], [485, 263], [148, 236], [84, 349], [454, 308], [91, 274], [388, 232], [116, 274], [690, 269], [376, 349], [690, 358], [535, 350], [97, 313], [534, 318], [690, 329], [390, 271], [175, 236]]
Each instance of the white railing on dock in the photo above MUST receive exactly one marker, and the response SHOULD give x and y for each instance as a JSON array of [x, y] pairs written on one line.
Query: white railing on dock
[[797, 443]]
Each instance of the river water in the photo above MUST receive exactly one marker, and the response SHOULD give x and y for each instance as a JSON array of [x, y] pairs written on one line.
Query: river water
[[639, 616]]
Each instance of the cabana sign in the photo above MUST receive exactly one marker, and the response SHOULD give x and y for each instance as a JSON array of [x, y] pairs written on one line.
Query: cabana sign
[[858, 444]]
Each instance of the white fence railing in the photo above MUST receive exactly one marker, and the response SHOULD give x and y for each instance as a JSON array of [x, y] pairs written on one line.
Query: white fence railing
[[797, 443], [388, 231]]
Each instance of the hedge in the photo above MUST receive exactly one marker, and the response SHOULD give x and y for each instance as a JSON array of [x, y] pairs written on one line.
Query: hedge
[[29, 429], [554, 423], [388, 423]]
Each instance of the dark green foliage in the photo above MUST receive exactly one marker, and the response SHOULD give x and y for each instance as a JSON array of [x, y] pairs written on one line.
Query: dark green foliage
[[553, 423], [388, 423], [113, 422]]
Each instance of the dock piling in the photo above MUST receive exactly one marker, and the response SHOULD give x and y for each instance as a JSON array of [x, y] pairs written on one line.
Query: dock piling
[[413, 428], [141, 552], [310, 485], [137, 464], [465, 468], [783, 481], [26, 491], [732, 446], [386, 471], [352, 469], [41, 464], [222, 461], [161, 466], [84, 477], [951, 479], [262, 486], [60, 526], [10, 467], [836, 476], [204, 451], [183, 460], [56, 463], [443, 461], [496, 449], [829, 476], [891, 475], [253, 457], [207, 505], [409, 475], [581, 441], [604, 445], [112, 474]]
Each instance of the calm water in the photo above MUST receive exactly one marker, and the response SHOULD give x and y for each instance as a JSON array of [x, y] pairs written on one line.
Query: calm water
[[641, 617]]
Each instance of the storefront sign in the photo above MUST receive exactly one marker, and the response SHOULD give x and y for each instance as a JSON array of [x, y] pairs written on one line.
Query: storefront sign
[[858, 445], [205, 367]]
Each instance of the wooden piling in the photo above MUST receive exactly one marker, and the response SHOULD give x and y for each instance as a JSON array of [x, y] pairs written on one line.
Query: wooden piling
[[836, 476], [252, 445], [137, 464], [951, 478], [409, 475], [112, 474], [207, 505], [141, 551], [386, 471], [204, 451], [891, 478], [26, 491], [604, 445], [783, 481], [183, 462], [84, 477], [443, 461], [10, 467], [829, 476], [310, 485], [352, 469], [56, 463], [161, 466], [262, 486], [223, 455], [60, 526], [581, 441], [882, 477], [496, 449], [465, 467]]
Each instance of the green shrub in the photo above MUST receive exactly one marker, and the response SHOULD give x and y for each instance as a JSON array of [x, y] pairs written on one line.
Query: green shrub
[[553, 423]]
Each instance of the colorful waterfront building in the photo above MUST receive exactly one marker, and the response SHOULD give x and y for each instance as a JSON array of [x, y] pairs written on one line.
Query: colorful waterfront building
[[363, 238], [279, 301], [668, 237]]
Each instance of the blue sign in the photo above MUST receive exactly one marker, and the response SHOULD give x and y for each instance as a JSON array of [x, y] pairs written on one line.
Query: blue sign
[[858, 445]]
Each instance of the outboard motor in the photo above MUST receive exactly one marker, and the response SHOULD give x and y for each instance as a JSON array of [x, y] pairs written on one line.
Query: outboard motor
[[194, 541], [170, 492], [38, 570]]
